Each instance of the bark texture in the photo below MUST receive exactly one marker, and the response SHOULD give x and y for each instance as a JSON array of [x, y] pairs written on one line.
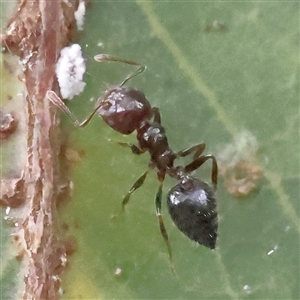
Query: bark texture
[[36, 33]]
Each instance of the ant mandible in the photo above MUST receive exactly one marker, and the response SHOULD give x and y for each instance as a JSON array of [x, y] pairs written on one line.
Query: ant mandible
[[191, 203]]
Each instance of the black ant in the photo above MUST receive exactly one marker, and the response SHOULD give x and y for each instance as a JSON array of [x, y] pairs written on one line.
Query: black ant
[[191, 202]]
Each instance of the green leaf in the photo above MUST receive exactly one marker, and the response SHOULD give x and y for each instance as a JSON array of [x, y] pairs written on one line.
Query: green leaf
[[214, 69]]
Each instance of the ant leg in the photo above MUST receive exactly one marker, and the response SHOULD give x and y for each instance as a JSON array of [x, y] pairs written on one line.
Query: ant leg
[[135, 186], [160, 218], [107, 57], [135, 149], [57, 101], [156, 114], [199, 160], [195, 164], [198, 149]]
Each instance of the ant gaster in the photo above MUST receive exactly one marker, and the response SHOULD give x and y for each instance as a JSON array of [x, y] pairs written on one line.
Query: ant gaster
[[191, 203]]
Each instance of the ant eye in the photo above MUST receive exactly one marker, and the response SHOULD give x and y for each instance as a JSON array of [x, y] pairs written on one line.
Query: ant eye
[[192, 207], [105, 105]]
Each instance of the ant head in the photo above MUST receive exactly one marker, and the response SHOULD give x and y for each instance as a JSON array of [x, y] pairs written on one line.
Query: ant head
[[192, 207], [124, 109]]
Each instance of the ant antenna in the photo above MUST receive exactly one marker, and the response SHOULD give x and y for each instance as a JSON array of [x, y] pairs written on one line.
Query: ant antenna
[[56, 100], [107, 57]]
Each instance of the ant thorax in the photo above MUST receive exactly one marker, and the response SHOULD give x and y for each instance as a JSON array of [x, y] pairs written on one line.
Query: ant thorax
[[152, 138]]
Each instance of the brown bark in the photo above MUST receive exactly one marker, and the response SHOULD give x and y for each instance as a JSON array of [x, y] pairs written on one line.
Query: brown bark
[[36, 33]]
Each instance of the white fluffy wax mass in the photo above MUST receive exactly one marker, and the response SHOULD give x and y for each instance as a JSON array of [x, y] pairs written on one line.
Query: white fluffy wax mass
[[70, 69]]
